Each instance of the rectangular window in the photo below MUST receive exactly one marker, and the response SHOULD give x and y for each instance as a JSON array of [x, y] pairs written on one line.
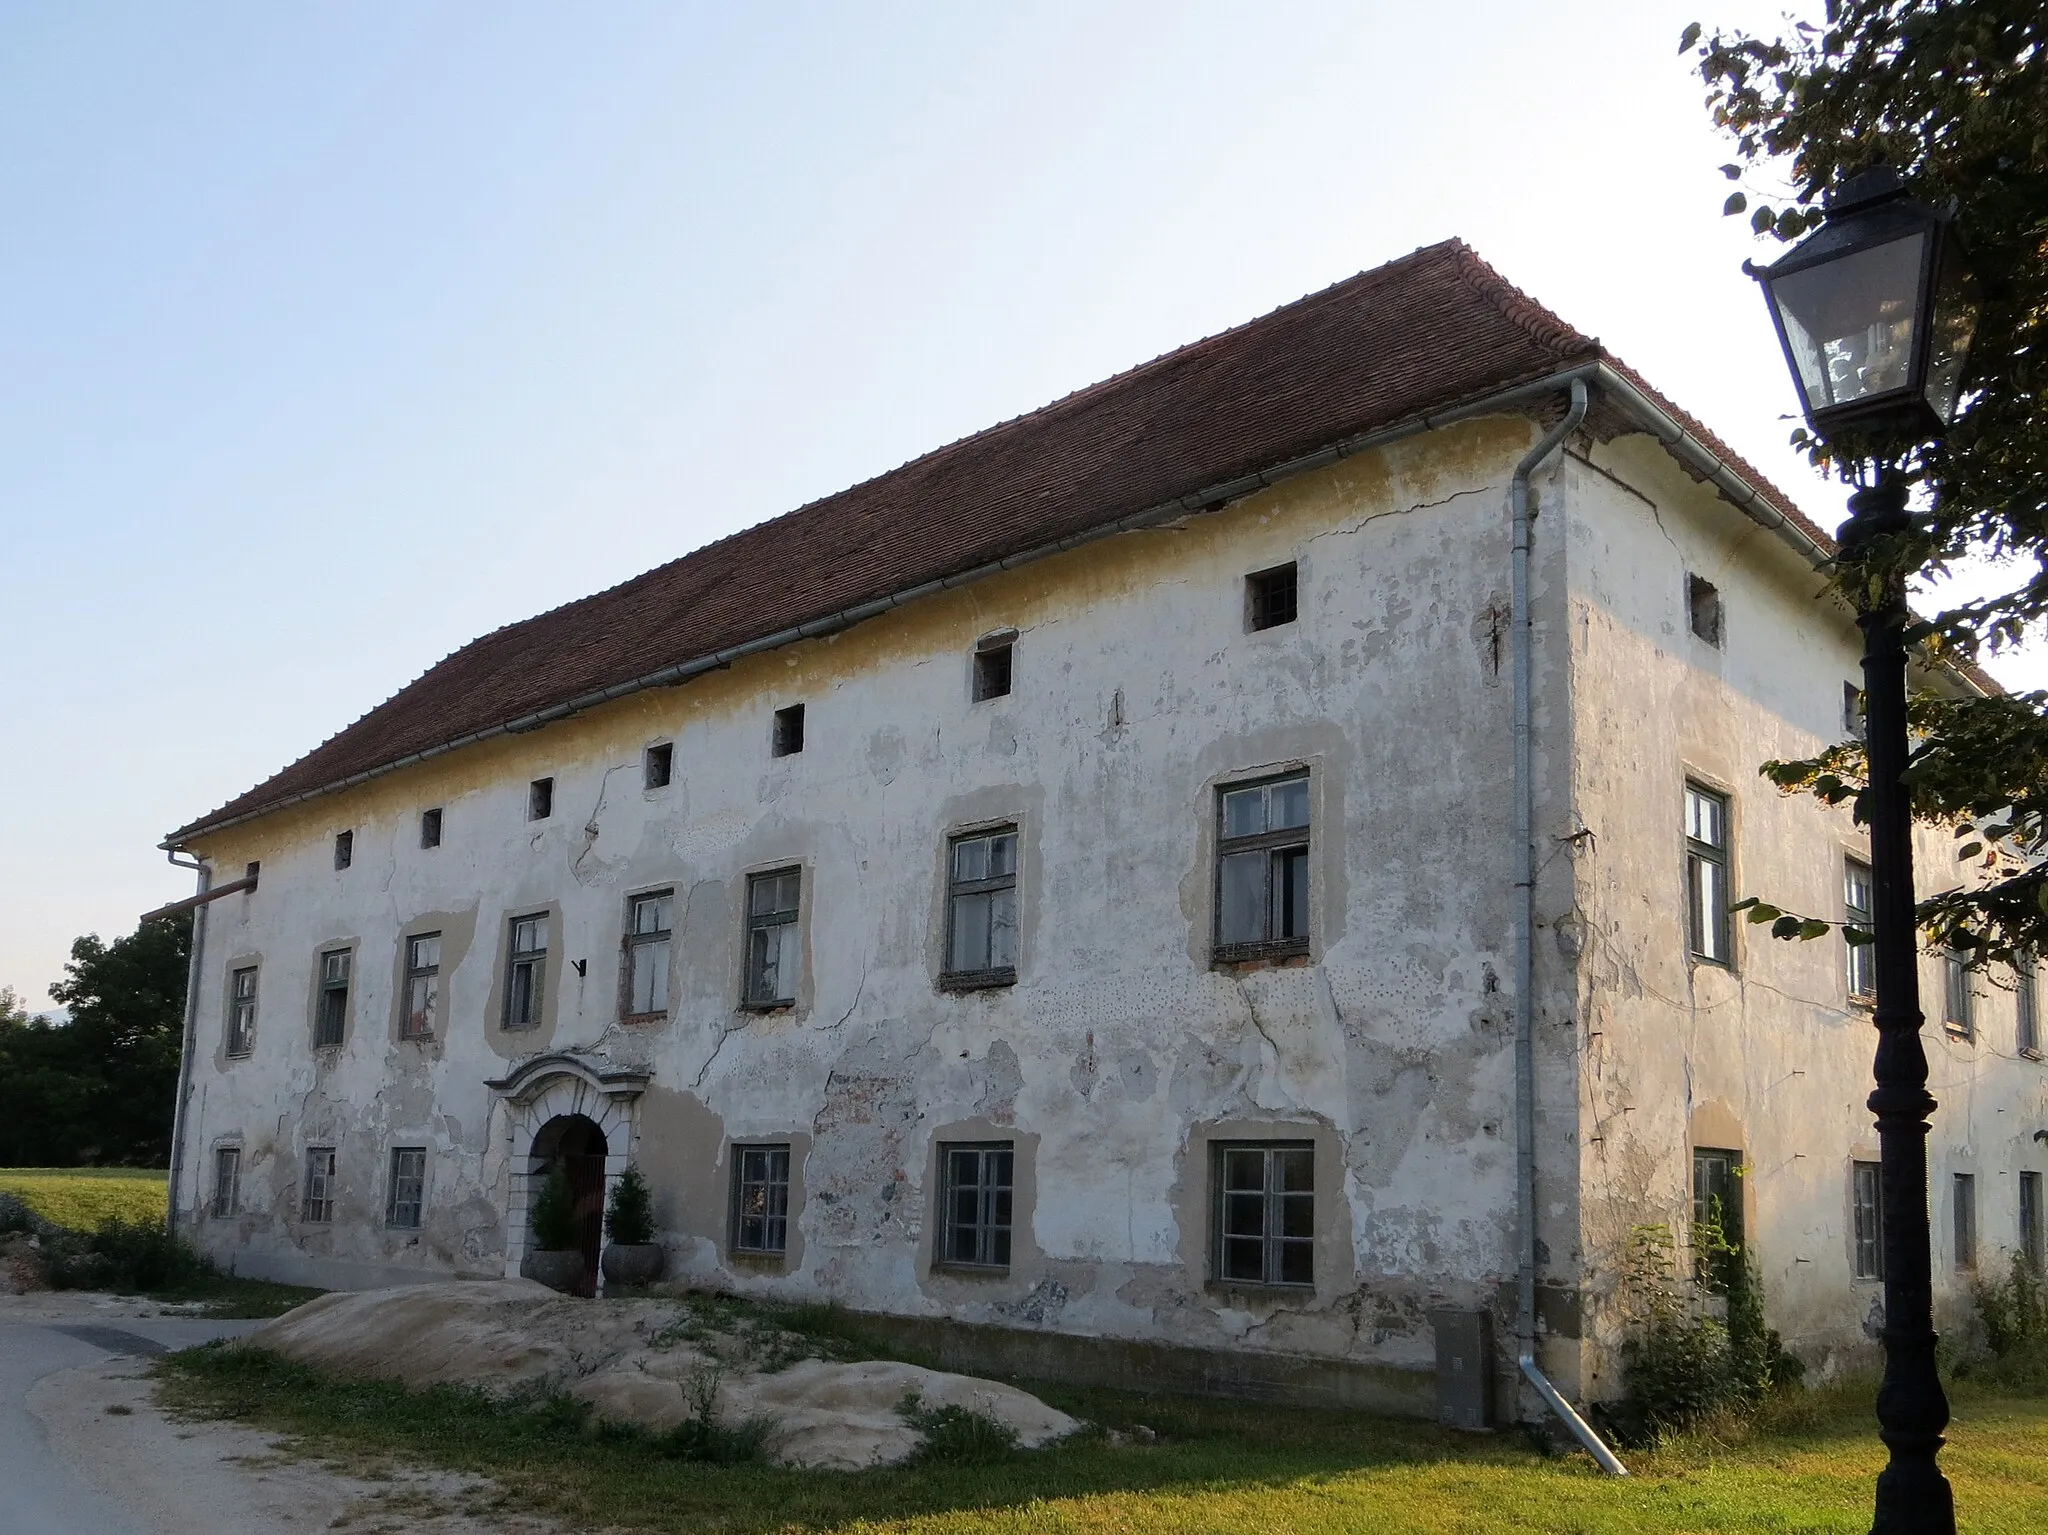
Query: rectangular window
[[1262, 869], [408, 1196], [981, 912], [772, 903], [526, 974], [1958, 1010], [2026, 1006], [330, 1022], [422, 987], [1853, 717], [1717, 1191], [1703, 608], [540, 799], [242, 1010], [1265, 1213], [975, 1229], [227, 1181], [658, 765], [1963, 1213], [788, 737], [344, 849], [2030, 1222], [1865, 1194], [760, 1199], [992, 668], [430, 828], [318, 1207], [1706, 875], [1858, 903], [1270, 597], [648, 919]]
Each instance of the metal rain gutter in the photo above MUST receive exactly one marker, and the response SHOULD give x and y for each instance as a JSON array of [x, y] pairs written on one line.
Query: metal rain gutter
[[179, 1105]]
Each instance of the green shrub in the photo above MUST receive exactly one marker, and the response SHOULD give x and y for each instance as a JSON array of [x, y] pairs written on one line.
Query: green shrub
[[630, 1219], [957, 1435], [1680, 1364], [122, 1255], [553, 1216], [2014, 1314], [702, 1438]]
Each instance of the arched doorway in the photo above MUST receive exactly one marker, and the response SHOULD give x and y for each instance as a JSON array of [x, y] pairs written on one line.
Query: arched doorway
[[575, 1142]]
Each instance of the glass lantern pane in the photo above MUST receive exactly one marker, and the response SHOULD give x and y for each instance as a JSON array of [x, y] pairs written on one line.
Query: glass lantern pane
[[1849, 322], [1955, 325]]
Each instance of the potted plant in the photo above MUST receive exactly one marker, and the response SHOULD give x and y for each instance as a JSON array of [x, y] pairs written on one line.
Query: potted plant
[[633, 1256], [554, 1259]]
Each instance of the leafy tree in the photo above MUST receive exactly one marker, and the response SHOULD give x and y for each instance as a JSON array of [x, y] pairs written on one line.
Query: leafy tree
[[99, 1088], [630, 1220], [1955, 94]]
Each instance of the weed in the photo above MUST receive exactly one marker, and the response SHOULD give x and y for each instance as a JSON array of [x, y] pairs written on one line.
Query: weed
[[957, 1435]]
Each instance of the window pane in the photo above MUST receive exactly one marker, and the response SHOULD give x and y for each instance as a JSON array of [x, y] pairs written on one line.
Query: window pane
[[970, 858], [1244, 1215], [1244, 812], [1244, 1167], [1296, 1166], [1002, 932], [1243, 915], [1002, 854], [1290, 804], [1244, 1258], [1290, 893], [1297, 1263], [785, 960], [1704, 817], [422, 994], [1297, 1215], [971, 919], [336, 968], [426, 953], [650, 977]]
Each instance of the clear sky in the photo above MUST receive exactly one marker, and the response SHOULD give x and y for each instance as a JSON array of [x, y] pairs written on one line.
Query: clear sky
[[333, 335]]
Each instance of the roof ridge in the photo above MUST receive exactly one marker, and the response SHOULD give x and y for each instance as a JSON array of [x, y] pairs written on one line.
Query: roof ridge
[[1535, 320]]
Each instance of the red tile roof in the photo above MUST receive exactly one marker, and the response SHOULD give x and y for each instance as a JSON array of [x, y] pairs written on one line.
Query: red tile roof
[[1414, 337]]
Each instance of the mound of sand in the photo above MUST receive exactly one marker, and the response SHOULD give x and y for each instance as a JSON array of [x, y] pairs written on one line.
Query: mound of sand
[[650, 1362]]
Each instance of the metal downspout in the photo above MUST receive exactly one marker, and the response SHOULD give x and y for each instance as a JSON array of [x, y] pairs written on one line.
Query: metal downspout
[[1525, 935], [178, 1107]]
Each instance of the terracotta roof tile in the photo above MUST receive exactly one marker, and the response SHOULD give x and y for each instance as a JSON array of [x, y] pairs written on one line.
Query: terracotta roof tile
[[1418, 335]]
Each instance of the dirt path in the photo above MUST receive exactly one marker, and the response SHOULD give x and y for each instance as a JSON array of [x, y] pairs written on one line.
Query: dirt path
[[177, 1478]]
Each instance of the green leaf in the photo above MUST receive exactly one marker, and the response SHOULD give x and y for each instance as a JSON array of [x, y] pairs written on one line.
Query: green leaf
[[1762, 221], [1969, 850], [1857, 936], [1761, 912], [1735, 204], [1732, 172], [1688, 37], [1814, 928], [1744, 905], [1787, 927]]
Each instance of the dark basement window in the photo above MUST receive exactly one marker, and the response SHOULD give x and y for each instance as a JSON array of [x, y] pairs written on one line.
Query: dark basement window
[[993, 666], [789, 731], [540, 799], [1703, 608], [660, 764], [1270, 597], [430, 828], [344, 849]]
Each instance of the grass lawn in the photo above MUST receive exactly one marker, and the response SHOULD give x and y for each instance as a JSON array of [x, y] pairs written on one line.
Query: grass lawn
[[81, 1197], [1222, 1467]]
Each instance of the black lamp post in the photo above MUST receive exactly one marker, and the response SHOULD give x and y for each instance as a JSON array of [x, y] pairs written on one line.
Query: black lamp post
[[1875, 317]]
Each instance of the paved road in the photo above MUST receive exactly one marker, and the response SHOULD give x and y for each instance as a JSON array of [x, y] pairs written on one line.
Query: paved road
[[39, 1492]]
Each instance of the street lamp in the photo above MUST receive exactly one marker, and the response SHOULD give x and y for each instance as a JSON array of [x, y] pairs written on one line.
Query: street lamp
[[1874, 313]]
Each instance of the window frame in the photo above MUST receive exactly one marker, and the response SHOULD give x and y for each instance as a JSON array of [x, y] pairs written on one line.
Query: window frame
[[432, 821], [535, 960], [1703, 601], [2026, 1006], [412, 972], [957, 889], [1958, 996], [240, 1043], [992, 670], [540, 799], [344, 849], [992, 1228], [1733, 1222], [227, 1182], [1702, 854], [1866, 1220], [1263, 587], [632, 941], [1272, 1237], [1859, 959], [1962, 1221], [658, 766], [775, 1185], [395, 1184], [316, 1204], [763, 923], [2033, 1239], [1286, 840], [331, 1016], [786, 734]]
